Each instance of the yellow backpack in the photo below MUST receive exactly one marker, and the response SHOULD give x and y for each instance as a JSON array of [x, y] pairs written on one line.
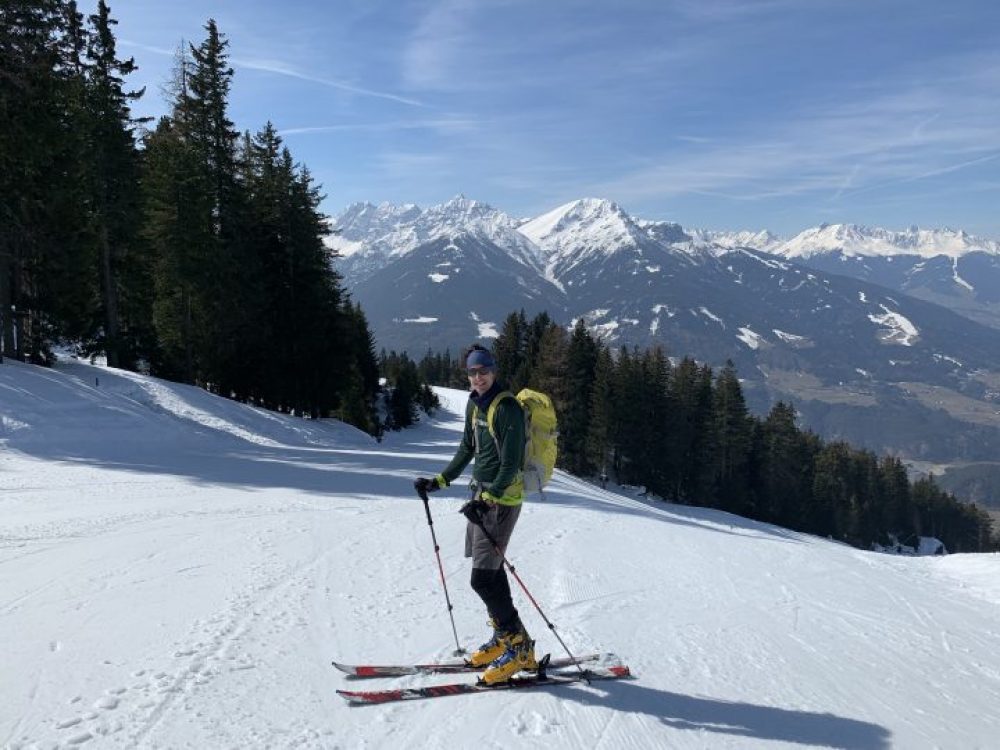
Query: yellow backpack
[[540, 433]]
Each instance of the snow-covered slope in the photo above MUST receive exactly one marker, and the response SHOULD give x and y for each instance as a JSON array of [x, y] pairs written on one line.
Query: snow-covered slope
[[177, 571]]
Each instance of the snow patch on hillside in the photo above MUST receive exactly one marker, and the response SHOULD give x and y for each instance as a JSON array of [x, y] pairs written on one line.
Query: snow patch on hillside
[[750, 338], [896, 328]]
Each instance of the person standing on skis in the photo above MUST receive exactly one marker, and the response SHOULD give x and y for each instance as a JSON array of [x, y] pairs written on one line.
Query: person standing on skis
[[497, 493]]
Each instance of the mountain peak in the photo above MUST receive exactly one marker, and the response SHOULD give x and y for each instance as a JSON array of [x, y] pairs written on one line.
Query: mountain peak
[[573, 221]]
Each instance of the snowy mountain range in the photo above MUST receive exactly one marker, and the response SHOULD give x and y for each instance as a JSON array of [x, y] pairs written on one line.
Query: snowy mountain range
[[862, 341], [179, 570]]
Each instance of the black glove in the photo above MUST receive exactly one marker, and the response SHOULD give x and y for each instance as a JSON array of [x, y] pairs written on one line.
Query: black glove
[[424, 486], [474, 510]]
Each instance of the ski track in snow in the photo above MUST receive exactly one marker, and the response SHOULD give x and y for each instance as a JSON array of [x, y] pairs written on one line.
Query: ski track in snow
[[177, 571]]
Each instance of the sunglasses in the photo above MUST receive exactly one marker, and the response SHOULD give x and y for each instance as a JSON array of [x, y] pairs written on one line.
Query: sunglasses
[[476, 372]]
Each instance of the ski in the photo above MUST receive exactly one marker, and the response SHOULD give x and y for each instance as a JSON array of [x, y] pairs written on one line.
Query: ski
[[366, 697], [456, 667]]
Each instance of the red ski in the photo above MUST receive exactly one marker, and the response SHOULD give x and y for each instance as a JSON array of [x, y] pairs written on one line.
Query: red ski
[[366, 697], [456, 667]]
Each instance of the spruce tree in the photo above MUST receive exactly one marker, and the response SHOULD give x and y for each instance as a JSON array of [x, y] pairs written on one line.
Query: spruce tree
[[548, 375], [694, 434], [784, 469], [897, 511], [631, 410], [42, 271], [178, 230], [578, 380], [115, 210], [510, 351], [600, 430], [732, 432]]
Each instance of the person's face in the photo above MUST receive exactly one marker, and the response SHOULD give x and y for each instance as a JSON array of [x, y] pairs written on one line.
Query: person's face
[[481, 379]]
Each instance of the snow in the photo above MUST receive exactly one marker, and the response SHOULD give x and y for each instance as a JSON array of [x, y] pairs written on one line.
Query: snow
[[897, 329], [726, 240], [579, 230], [790, 338], [751, 338], [711, 316], [437, 278], [488, 331], [177, 571], [853, 240], [420, 319], [372, 235], [958, 279]]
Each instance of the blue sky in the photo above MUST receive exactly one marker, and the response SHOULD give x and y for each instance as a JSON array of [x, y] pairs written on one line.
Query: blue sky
[[723, 114]]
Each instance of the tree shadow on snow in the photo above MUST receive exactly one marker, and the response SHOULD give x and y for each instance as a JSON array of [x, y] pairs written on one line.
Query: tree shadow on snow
[[705, 715]]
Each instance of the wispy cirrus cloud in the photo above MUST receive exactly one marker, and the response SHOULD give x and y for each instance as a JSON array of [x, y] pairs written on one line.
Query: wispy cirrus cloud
[[443, 125], [904, 131], [284, 69], [278, 67], [148, 48]]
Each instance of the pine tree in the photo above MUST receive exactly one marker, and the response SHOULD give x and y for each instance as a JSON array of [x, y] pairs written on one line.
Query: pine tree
[[732, 431], [510, 351], [178, 230], [655, 445], [207, 124], [538, 329], [694, 434], [785, 468], [831, 493], [402, 375], [548, 371], [42, 279], [631, 411], [897, 512], [581, 359], [114, 215], [602, 416]]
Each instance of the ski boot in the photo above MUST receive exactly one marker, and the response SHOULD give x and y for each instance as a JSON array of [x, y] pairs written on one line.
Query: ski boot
[[518, 657], [491, 650]]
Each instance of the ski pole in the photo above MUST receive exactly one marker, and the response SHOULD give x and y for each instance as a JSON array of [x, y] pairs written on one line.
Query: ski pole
[[437, 551], [477, 519]]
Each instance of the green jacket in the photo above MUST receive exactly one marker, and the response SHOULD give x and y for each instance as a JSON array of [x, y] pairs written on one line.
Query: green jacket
[[498, 469]]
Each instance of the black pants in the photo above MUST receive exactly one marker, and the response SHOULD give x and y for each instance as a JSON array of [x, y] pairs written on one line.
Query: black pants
[[494, 589]]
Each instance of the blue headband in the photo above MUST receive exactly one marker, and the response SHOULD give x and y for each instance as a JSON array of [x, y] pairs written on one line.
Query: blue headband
[[480, 358]]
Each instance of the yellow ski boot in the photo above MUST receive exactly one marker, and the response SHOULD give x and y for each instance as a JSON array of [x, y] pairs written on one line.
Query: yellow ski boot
[[491, 650], [518, 656]]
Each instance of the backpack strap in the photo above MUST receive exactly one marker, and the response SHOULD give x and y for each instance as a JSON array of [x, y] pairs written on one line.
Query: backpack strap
[[490, 413]]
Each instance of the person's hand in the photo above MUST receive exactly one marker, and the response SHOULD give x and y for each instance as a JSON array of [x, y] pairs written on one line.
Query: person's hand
[[474, 510], [423, 485]]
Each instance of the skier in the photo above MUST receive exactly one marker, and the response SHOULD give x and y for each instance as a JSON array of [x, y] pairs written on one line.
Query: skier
[[497, 492]]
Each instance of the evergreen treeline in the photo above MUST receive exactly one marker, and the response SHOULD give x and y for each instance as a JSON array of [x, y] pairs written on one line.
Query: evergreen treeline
[[684, 433], [190, 251]]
